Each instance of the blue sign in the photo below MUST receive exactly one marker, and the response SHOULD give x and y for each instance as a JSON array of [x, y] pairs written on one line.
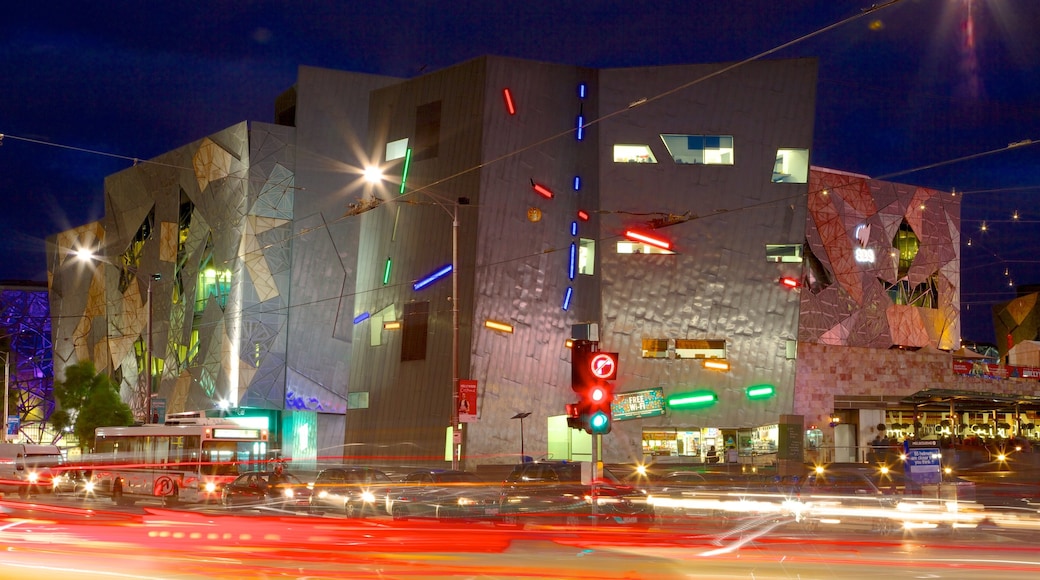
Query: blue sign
[[923, 461], [13, 424]]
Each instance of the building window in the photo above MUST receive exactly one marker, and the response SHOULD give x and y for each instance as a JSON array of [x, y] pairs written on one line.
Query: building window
[[586, 256], [358, 400], [784, 253], [375, 325], [655, 348], [817, 277], [792, 166], [396, 149], [633, 154], [414, 326], [907, 245], [427, 131], [689, 348], [630, 247], [700, 149]]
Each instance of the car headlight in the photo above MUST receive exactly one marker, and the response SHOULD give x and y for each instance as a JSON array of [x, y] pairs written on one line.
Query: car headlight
[[89, 487], [466, 501], [288, 492], [210, 487], [368, 496], [34, 477]]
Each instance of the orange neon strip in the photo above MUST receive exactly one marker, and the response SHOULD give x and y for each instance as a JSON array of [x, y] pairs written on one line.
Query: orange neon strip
[[509, 101]]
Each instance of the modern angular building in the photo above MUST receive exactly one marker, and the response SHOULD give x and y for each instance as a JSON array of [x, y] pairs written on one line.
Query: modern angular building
[[669, 214]]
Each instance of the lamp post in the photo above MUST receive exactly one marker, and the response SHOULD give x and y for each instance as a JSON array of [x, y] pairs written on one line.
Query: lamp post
[[522, 415], [7, 393], [148, 351]]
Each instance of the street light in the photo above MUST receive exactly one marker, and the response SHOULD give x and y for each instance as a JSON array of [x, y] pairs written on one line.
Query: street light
[[7, 383], [148, 351], [522, 416]]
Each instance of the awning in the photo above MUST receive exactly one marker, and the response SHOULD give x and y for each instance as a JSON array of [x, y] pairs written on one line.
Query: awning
[[971, 400]]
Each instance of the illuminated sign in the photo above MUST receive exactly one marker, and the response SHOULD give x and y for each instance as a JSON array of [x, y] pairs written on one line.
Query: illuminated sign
[[637, 404], [232, 433]]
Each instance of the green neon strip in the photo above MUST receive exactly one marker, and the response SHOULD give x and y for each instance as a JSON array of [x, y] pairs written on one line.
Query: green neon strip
[[692, 399], [386, 273], [407, 164], [760, 391]]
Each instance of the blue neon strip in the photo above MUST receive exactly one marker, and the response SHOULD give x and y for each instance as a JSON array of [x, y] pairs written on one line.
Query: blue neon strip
[[567, 298], [581, 127], [581, 91], [577, 182], [361, 317], [574, 260], [574, 228], [432, 278]]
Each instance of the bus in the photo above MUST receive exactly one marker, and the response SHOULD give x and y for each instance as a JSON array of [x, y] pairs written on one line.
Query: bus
[[189, 458]]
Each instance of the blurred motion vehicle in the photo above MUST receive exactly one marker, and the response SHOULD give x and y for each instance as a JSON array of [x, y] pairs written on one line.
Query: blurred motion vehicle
[[189, 458], [563, 491], [879, 500], [269, 488], [27, 469], [352, 490], [680, 494], [442, 494]]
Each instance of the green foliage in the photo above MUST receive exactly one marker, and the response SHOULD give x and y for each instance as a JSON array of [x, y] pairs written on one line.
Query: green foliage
[[87, 400]]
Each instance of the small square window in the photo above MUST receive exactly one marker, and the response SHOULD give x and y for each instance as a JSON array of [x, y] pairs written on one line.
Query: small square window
[[655, 348], [396, 149], [791, 166]]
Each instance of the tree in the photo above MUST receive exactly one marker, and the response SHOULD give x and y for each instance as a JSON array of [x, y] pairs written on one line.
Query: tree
[[87, 400]]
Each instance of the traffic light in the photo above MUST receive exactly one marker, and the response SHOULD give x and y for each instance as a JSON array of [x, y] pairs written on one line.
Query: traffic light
[[590, 371]]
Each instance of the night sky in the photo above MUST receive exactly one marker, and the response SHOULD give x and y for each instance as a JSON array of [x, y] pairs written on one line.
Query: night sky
[[925, 92]]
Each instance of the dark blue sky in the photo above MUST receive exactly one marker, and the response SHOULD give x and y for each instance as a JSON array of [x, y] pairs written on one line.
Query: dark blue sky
[[915, 84]]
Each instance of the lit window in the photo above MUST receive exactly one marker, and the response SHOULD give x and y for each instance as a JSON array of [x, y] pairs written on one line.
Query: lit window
[[688, 348], [633, 154], [630, 247], [700, 149], [655, 348], [786, 253], [586, 256], [396, 149], [792, 166], [376, 324]]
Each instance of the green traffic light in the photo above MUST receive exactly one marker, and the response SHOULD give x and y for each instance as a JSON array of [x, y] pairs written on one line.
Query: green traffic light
[[599, 423]]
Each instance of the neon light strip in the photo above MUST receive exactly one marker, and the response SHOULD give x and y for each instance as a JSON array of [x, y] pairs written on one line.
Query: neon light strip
[[789, 282], [760, 391], [640, 237], [386, 272], [577, 182], [392, 325], [573, 261], [581, 91], [583, 215], [693, 399], [719, 366], [567, 298], [574, 228], [509, 101], [361, 317], [432, 278], [543, 191], [494, 325], [407, 164], [581, 127]]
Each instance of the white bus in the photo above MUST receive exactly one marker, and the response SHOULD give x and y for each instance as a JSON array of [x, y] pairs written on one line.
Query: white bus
[[189, 458]]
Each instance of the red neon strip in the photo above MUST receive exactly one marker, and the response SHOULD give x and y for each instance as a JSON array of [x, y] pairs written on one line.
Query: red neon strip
[[543, 191], [789, 282], [509, 101], [633, 235], [583, 215]]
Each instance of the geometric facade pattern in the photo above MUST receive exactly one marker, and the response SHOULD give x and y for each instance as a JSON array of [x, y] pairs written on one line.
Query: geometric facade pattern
[[25, 325], [883, 264], [1017, 321]]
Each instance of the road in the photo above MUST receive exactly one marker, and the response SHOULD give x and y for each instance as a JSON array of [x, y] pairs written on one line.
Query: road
[[72, 538]]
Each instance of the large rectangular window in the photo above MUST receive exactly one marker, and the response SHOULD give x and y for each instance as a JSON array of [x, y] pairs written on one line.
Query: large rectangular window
[[633, 154], [414, 325], [427, 131], [586, 256], [700, 149]]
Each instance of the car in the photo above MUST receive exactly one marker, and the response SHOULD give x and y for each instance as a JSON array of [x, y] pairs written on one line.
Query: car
[[352, 490], [269, 488], [443, 494], [680, 494], [565, 491]]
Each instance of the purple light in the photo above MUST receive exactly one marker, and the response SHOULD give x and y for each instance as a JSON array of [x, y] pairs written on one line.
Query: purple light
[[424, 282]]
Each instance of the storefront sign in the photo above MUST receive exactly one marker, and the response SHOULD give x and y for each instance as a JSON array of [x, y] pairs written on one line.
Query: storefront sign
[[638, 404], [994, 371]]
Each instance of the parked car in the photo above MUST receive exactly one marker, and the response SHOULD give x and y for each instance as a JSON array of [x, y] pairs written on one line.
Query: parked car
[[354, 491], [272, 488], [443, 494], [563, 491]]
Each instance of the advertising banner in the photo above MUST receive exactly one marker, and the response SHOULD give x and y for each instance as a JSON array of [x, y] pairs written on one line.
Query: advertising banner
[[467, 401]]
